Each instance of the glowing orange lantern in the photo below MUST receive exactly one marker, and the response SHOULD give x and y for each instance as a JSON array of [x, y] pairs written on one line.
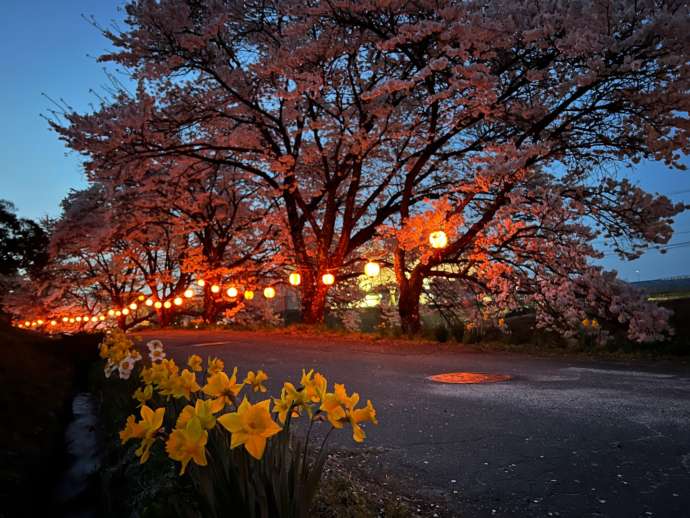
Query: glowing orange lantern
[[125, 311], [201, 283], [94, 318], [149, 302], [53, 322], [248, 294], [438, 239], [167, 304], [215, 288], [141, 298], [111, 312], [40, 322], [133, 306], [65, 319], [118, 313], [269, 292], [295, 279], [71, 321], [232, 292], [328, 279], [177, 301], [188, 293], [20, 325], [158, 304], [27, 323], [101, 318], [372, 269], [78, 319]]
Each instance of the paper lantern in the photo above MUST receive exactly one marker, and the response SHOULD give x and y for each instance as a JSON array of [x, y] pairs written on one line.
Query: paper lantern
[[27, 323], [65, 319], [53, 322], [149, 302], [438, 239], [215, 288], [111, 312], [101, 318], [188, 293], [158, 304], [78, 319], [71, 320], [269, 292], [133, 306], [372, 269], [177, 301], [94, 318], [328, 279], [232, 292], [248, 295], [167, 304], [125, 311], [141, 298], [295, 279], [201, 283], [118, 313]]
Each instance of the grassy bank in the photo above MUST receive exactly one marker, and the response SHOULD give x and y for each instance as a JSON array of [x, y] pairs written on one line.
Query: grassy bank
[[38, 375]]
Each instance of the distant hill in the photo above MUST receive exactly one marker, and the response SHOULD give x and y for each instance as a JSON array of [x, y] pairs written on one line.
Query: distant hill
[[670, 285]]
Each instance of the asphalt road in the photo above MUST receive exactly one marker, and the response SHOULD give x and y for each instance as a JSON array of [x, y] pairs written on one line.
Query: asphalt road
[[564, 437]]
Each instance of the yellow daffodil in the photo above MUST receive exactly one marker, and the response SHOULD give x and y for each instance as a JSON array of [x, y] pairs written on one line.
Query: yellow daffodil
[[361, 415], [250, 426], [143, 394], [282, 405], [256, 380], [336, 403], [145, 429], [188, 443], [195, 363], [224, 390], [314, 386], [201, 411], [215, 365], [181, 385]]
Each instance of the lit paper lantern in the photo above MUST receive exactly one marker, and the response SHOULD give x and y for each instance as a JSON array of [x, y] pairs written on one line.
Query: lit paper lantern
[[71, 321], [149, 302], [118, 313], [438, 239], [167, 304], [177, 301], [33, 324], [158, 304], [133, 306], [232, 292], [20, 325], [248, 295], [269, 292], [78, 319], [101, 318], [188, 293], [111, 312], [372, 269], [125, 311], [94, 318], [201, 283], [215, 288], [328, 279], [27, 323], [65, 319], [40, 322], [53, 322], [141, 298], [295, 279]]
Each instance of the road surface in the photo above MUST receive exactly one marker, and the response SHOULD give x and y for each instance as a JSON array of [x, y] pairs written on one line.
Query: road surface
[[564, 437]]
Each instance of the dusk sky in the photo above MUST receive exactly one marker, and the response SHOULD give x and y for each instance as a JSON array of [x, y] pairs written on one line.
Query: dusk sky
[[54, 52]]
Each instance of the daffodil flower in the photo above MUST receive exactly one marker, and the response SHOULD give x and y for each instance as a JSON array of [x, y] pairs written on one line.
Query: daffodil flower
[[224, 390], [215, 365], [195, 363], [188, 443], [145, 429], [256, 380], [143, 395], [201, 411], [250, 426], [361, 415]]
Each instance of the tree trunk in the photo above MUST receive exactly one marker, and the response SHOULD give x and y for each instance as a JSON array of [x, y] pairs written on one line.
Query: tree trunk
[[313, 304], [408, 309]]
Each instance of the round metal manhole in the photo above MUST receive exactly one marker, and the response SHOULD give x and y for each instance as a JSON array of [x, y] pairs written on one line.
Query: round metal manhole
[[469, 377]]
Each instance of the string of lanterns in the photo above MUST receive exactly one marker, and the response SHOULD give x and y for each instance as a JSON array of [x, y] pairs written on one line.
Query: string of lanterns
[[437, 239]]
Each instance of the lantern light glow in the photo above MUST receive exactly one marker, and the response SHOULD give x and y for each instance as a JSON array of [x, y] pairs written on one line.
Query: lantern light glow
[[438, 239], [149, 302], [167, 304], [177, 301], [372, 269], [248, 295], [188, 293], [215, 288], [328, 279], [269, 292], [158, 304], [232, 292], [295, 279]]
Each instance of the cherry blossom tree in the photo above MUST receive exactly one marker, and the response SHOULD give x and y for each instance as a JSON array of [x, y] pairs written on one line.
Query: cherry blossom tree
[[499, 123]]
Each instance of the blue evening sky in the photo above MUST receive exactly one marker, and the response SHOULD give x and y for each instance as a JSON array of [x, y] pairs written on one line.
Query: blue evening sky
[[48, 47]]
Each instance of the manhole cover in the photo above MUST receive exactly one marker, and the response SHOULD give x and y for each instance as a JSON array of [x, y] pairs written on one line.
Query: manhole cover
[[468, 377]]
